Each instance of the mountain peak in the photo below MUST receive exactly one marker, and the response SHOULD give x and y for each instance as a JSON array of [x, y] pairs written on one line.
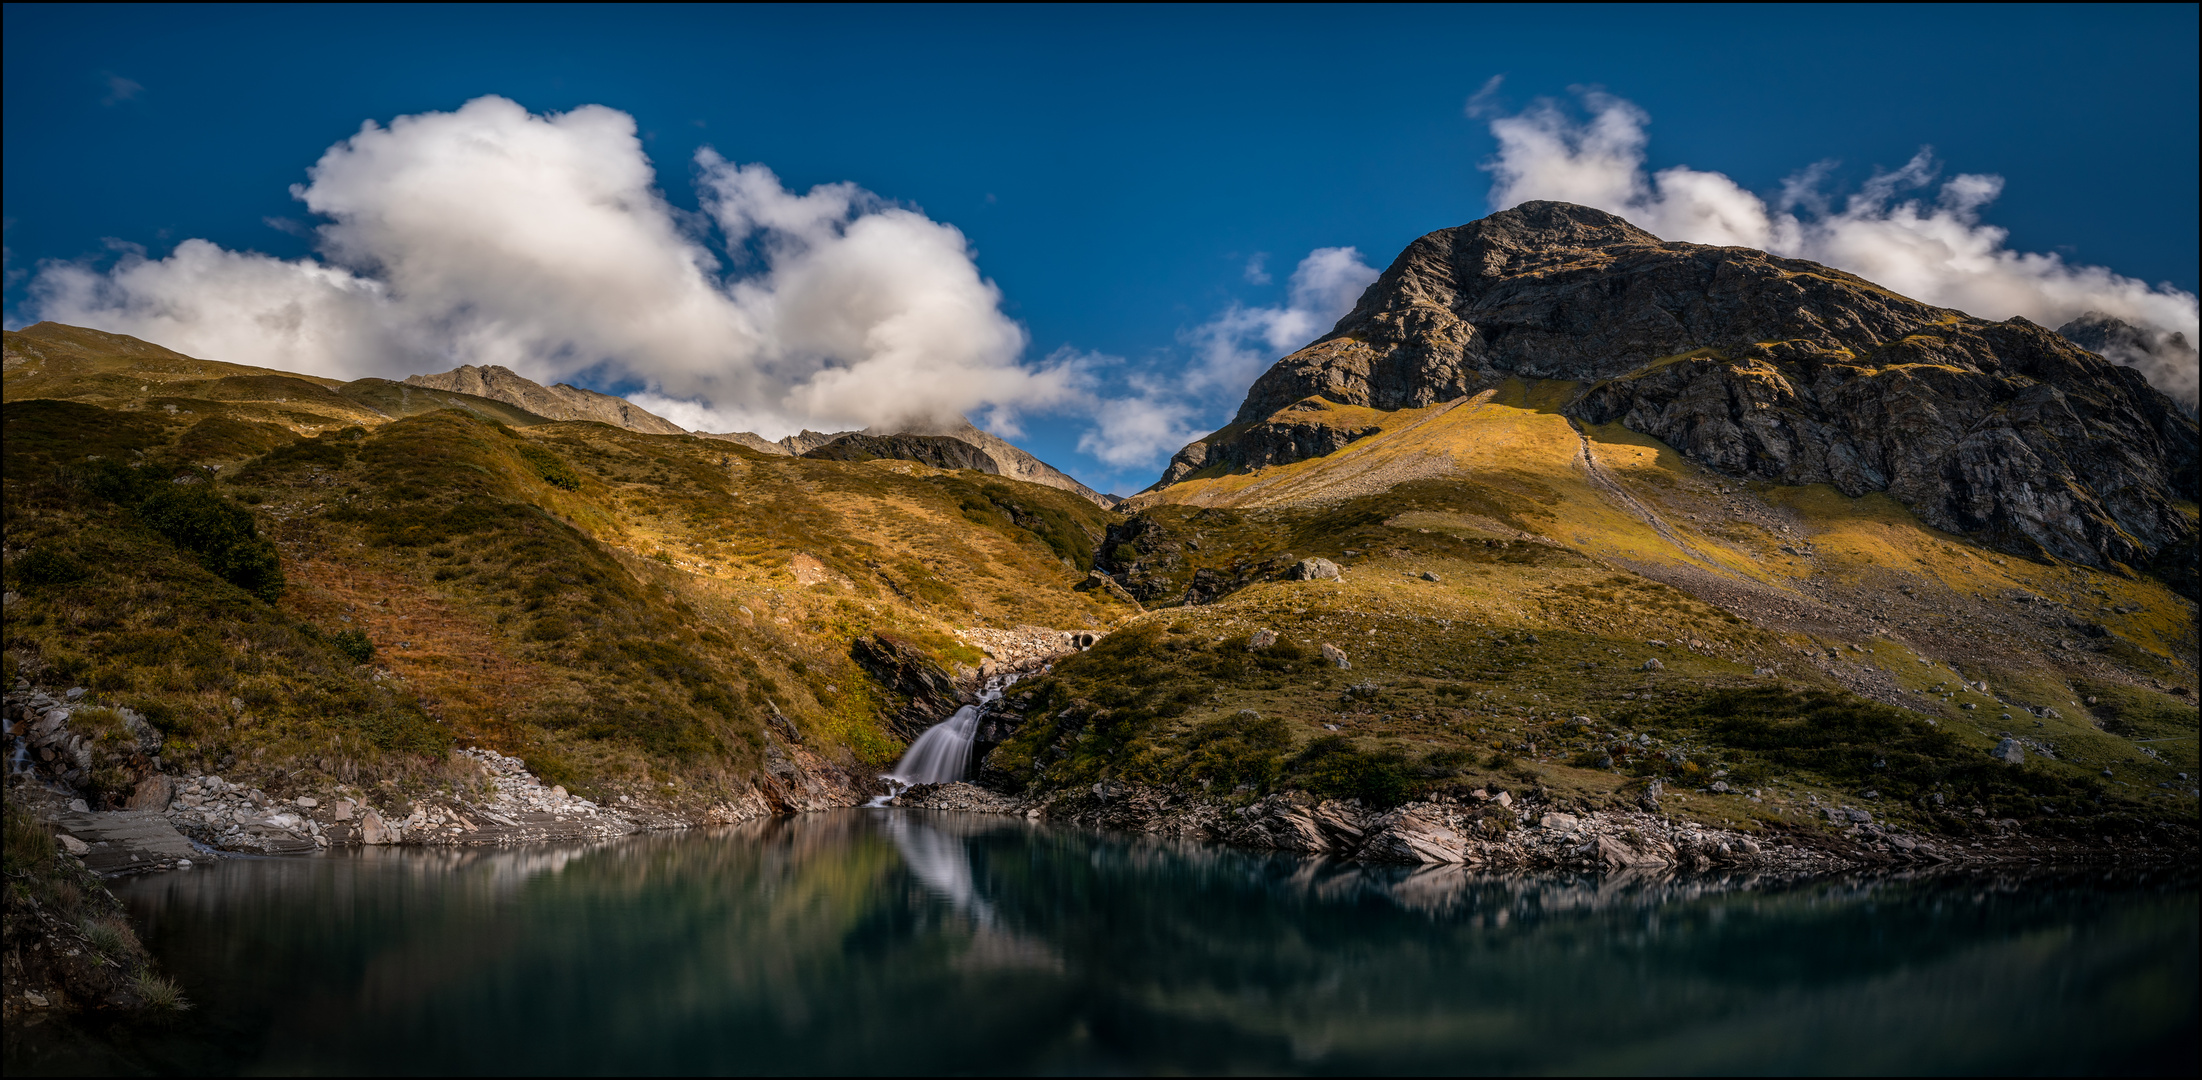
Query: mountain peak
[[1751, 364]]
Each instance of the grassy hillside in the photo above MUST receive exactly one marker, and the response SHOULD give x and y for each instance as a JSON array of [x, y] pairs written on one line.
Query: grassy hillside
[[291, 596], [632, 614], [1507, 574]]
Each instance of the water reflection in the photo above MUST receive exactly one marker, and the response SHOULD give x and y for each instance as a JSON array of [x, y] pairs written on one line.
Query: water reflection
[[904, 941]]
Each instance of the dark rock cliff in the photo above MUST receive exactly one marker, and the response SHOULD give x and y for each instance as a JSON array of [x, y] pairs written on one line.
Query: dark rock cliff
[[923, 694], [939, 451], [1761, 366]]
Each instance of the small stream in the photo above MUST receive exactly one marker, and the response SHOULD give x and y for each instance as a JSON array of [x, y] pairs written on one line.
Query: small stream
[[916, 942]]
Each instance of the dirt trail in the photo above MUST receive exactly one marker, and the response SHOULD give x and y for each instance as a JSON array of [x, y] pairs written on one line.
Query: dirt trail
[[1608, 485]]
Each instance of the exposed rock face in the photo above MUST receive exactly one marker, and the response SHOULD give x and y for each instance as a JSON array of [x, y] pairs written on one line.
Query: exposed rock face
[[1013, 463], [560, 402], [931, 694], [1761, 366], [1317, 569], [1286, 437], [939, 451], [1007, 460], [2121, 342]]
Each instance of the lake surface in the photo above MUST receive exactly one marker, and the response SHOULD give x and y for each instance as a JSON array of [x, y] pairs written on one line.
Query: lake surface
[[896, 941]]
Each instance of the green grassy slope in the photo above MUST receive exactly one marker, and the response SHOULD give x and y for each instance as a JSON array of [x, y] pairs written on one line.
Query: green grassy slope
[[629, 613]]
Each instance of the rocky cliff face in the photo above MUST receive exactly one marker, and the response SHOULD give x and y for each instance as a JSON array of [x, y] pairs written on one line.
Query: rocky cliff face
[[560, 402], [2170, 357], [1756, 366], [939, 451]]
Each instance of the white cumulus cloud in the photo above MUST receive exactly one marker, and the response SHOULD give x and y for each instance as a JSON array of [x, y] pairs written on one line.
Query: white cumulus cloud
[[491, 235], [1241, 342], [1158, 415], [1935, 249]]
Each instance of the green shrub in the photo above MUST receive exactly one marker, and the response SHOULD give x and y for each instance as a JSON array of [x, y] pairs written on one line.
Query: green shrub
[[1334, 767], [1246, 748], [159, 991], [110, 936], [30, 842], [49, 565], [224, 536], [354, 645], [552, 468]]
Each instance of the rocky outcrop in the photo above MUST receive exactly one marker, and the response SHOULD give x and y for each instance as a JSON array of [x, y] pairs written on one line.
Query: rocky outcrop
[[1150, 564], [2168, 358], [1025, 650], [560, 402], [1012, 462], [928, 695], [1281, 439], [1484, 829], [1005, 459], [72, 760], [1760, 366], [939, 451], [107, 752]]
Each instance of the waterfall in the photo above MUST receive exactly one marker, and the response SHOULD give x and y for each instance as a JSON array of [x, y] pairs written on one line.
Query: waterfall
[[942, 754]]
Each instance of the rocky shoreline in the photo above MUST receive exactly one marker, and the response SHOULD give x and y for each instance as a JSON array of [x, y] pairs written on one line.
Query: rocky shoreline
[[176, 822], [72, 759], [1498, 830]]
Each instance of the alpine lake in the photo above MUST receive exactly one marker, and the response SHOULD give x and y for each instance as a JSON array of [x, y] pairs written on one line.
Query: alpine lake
[[905, 941]]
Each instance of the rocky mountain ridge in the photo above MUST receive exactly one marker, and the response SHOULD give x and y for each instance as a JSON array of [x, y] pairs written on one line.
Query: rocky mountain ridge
[[990, 453], [1756, 366], [560, 402]]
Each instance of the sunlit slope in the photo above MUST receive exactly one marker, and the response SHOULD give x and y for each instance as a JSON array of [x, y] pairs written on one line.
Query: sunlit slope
[[1867, 565], [1609, 549], [629, 612], [115, 371]]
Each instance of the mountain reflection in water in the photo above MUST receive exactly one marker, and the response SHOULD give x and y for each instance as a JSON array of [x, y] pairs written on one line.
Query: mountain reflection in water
[[910, 942]]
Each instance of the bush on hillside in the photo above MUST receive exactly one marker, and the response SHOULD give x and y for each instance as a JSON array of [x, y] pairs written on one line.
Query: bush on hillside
[[552, 468], [354, 645], [1332, 766], [224, 535], [192, 515], [49, 565], [1244, 749]]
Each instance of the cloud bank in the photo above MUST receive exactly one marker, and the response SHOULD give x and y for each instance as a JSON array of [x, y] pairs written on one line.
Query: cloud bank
[[490, 235], [1229, 352], [1932, 249]]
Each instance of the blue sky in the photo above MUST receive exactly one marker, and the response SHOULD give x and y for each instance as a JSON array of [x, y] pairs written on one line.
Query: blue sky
[[1113, 170]]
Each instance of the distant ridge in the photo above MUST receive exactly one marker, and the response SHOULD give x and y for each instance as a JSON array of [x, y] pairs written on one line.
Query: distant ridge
[[564, 402], [1007, 459], [560, 402]]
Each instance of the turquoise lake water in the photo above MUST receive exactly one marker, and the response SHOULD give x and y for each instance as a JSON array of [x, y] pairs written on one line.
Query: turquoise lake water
[[914, 942]]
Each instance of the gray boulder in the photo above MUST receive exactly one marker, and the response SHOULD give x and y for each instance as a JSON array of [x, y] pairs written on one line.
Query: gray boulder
[[1316, 570]]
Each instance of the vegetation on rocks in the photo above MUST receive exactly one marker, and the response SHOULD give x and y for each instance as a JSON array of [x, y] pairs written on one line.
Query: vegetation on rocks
[[71, 943]]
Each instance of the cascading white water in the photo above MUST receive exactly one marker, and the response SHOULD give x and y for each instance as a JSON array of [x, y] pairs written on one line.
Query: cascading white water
[[942, 753]]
